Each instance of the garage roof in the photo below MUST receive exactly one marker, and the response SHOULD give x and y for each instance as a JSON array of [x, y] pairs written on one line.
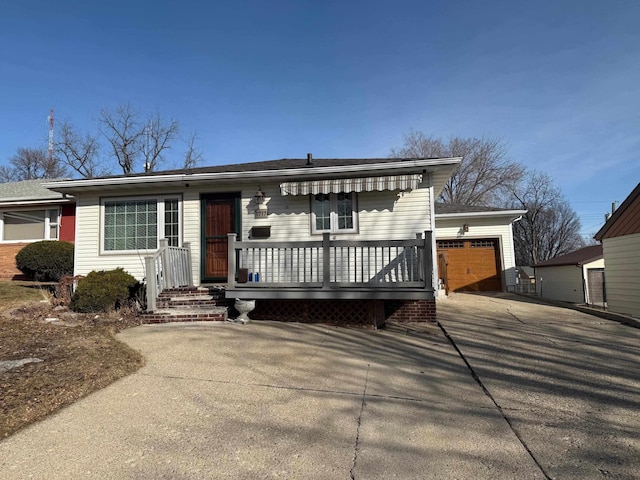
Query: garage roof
[[579, 257]]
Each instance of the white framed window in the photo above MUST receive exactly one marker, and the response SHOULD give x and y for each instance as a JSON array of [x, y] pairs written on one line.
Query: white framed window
[[334, 213], [29, 225], [135, 224]]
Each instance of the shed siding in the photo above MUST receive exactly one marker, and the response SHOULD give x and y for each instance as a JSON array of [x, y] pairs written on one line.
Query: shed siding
[[562, 283], [448, 229], [622, 274]]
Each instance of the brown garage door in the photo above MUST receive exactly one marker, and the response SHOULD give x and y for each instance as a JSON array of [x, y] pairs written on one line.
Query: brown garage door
[[472, 265]]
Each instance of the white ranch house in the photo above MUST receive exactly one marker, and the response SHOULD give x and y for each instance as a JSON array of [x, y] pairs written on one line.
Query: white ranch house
[[337, 232]]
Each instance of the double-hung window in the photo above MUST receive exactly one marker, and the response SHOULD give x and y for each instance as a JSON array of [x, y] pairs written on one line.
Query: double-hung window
[[137, 224], [334, 213]]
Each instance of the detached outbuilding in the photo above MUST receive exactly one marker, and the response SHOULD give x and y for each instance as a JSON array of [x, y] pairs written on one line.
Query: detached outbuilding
[[577, 277], [620, 237]]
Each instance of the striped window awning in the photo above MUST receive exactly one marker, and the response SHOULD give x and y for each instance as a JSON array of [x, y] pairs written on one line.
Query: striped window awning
[[347, 185]]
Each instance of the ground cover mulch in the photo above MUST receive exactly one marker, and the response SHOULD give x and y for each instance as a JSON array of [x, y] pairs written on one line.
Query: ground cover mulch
[[79, 354]]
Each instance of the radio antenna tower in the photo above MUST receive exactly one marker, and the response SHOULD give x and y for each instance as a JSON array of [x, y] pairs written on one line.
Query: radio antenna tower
[[50, 120]]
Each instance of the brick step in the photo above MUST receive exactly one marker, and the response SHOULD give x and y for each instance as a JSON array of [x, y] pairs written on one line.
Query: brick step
[[186, 301], [210, 314], [185, 292]]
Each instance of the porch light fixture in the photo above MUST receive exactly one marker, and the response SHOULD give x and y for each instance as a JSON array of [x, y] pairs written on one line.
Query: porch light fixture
[[259, 196], [465, 227], [261, 210]]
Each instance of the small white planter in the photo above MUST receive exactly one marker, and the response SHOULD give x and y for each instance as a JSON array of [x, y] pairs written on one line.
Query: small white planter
[[244, 307]]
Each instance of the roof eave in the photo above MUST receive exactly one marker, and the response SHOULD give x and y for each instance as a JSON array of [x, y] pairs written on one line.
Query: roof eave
[[33, 202], [600, 235], [513, 214], [422, 165]]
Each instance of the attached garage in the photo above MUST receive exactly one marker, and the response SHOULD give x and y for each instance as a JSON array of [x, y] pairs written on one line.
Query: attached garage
[[471, 264], [475, 248]]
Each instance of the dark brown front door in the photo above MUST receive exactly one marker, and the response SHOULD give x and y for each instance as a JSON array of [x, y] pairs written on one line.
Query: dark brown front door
[[220, 217]]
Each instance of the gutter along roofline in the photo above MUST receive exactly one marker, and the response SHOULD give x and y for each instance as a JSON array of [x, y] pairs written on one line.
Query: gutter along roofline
[[316, 171]]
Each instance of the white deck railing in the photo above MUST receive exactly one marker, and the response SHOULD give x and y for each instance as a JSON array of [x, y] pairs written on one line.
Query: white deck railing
[[330, 263], [169, 267]]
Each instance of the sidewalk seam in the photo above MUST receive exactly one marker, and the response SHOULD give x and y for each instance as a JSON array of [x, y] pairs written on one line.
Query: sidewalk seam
[[493, 400], [357, 443]]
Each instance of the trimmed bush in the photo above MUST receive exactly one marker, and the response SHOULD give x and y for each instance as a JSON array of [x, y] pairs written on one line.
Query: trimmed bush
[[46, 261], [103, 291]]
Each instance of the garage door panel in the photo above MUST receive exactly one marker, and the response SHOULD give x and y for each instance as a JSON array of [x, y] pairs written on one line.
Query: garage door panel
[[473, 265]]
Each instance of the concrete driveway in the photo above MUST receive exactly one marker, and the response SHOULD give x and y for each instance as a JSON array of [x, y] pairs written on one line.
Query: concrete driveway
[[555, 396]]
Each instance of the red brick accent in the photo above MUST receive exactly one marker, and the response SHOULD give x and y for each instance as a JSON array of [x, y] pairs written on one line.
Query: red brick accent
[[410, 310], [186, 317], [8, 270]]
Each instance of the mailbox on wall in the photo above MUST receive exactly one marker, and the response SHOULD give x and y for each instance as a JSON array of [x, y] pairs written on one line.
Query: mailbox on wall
[[260, 232]]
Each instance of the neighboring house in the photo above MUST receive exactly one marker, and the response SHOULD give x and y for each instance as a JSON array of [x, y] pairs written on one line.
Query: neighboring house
[[475, 247], [312, 234], [620, 237], [577, 277], [30, 212]]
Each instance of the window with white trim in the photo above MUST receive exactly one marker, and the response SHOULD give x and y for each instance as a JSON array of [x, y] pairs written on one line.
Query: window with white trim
[[29, 225], [334, 213], [138, 224]]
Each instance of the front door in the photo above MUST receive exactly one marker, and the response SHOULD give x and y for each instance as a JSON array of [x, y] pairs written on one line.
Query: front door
[[220, 216]]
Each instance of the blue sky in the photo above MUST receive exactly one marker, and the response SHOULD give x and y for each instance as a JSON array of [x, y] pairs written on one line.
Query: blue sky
[[558, 81]]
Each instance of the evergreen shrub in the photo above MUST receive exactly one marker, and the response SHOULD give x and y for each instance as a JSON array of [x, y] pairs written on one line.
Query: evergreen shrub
[[104, 291], [46, 261]]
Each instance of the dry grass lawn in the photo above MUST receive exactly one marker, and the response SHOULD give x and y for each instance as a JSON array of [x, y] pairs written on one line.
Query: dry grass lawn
[[79, 355]]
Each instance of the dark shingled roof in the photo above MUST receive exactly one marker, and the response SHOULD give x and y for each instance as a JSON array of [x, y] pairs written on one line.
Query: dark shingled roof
[[579, 257], [282, 164], [444, 208]]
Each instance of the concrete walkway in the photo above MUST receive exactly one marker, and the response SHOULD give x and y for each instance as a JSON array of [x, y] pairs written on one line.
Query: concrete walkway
[[556, 397], [568, 382]]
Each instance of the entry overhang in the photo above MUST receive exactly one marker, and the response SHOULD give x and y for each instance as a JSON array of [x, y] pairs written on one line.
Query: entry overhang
[[348, 185]]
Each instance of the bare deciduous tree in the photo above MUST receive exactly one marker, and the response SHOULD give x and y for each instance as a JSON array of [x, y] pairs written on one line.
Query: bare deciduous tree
[[156, 138], [485, 174], [79, 153], [550, 227], [135, 140], [123, 129], [193, 156], [31, 164]]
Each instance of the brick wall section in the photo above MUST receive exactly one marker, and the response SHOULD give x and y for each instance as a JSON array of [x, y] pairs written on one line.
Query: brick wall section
[[8, 270], [410, 310]]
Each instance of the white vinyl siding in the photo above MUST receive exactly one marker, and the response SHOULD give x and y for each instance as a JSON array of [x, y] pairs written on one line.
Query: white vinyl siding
[[622, 274], [487, 227], [381, 216]]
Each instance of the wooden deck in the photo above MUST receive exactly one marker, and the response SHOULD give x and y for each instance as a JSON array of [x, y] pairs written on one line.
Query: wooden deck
[[331, 269]]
